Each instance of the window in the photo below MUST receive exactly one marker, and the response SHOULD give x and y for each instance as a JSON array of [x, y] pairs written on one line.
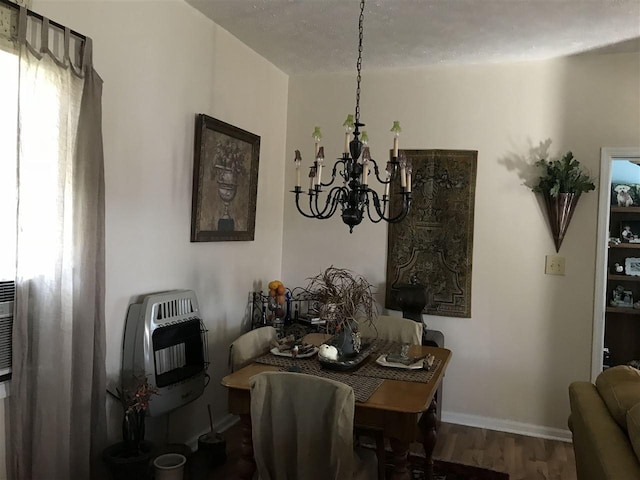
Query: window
[[8, 206], [8, 146]]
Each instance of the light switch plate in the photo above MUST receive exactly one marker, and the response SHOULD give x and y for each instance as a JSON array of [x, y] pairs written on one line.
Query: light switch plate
[[554, 265]]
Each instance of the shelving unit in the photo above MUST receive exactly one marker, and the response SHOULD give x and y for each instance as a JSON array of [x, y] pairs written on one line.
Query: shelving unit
[[622, 324]]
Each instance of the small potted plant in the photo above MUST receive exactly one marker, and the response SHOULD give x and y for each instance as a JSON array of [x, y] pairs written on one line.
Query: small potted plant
[[130, 458], [561, 184], [344, 298]]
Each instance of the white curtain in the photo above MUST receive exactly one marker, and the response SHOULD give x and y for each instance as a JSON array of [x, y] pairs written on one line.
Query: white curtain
[[57, 401]]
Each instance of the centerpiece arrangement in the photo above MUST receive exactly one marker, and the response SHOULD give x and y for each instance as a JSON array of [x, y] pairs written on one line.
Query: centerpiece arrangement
[[344, 300], [561, 184]]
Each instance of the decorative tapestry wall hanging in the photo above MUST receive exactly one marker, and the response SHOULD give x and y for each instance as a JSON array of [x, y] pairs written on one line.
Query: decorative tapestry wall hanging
[[433, 246]]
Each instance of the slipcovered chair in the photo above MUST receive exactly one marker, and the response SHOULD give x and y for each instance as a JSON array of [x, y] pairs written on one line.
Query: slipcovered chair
[[303, 429], [395, 329], [250, 345]]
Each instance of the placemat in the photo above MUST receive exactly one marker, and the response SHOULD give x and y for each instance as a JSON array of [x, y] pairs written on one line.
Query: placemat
[[372, 369], [363, 387]]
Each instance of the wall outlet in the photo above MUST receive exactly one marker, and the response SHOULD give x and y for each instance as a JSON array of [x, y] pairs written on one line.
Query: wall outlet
[[554, 265]]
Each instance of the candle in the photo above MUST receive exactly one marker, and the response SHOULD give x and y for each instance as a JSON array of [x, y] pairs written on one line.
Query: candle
[[395, 129], [348, 126], [409, 171], [317, 135], [319, 162], [297, 161], [386, 185], [403, 170], [366, 156], [312, 177]]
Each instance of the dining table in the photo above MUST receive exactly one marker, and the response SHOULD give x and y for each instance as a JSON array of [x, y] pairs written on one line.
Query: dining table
[[398, 402]]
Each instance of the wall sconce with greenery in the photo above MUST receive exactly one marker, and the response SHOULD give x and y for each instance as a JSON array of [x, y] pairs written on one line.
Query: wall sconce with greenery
[[561, 184]]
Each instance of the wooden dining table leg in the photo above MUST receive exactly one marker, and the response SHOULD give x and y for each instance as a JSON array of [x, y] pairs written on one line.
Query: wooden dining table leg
[[400, 459], [428, 426], [246, 462]]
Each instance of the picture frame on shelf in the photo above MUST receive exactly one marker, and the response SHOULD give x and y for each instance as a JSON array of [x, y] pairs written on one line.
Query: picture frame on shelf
[[632, 266], [225, 182], [621, 297], [630, 231]]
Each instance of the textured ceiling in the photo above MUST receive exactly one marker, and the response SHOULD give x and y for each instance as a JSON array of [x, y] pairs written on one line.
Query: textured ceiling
[[306, 36]]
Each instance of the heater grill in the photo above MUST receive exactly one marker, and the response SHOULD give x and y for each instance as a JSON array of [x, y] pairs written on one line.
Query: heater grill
[[7, 300], [166, 341]]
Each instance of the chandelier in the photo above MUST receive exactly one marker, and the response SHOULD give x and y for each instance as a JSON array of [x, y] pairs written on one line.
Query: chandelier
[[354, 197]]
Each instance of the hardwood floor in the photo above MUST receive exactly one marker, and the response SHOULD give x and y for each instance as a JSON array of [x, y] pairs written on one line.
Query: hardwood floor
[[524, 458]]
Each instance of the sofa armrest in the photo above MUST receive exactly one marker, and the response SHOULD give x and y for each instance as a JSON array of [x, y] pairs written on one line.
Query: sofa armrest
[[602, 449]]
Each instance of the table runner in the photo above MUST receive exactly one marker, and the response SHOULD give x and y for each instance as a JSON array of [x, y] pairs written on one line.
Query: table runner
[[363, 387], [364, 379]]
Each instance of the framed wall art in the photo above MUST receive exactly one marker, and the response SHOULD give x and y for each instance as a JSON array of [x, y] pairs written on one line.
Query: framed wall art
[[433, 245], [225, 182]]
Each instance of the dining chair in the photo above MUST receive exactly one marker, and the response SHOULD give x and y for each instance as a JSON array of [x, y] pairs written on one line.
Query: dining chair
[[250, 345], [303, 429], [395, 329]]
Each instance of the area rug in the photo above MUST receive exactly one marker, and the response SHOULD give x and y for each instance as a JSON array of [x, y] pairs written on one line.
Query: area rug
[[450, 471], [456, 471]]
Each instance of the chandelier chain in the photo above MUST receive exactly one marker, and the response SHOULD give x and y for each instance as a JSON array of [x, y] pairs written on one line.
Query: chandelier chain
[[359, 62]]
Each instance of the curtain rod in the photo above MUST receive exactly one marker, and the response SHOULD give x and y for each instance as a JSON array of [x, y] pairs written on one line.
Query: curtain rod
[[31, 13]]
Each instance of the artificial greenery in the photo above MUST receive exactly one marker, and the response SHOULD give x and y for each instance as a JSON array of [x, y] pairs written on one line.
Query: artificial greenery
[[563, 176]]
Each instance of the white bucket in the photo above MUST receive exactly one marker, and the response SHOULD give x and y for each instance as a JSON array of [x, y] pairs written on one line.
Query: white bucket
[[169, 466]]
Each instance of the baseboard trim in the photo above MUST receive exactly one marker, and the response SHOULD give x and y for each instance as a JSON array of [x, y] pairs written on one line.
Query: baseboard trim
[[508, 426], [501, 425]]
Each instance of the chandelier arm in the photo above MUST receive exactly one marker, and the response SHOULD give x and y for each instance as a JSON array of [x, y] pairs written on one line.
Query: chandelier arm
[[304, 214], [371, 219], [376, 170], [376, 205], [406, 207], [331, 204]]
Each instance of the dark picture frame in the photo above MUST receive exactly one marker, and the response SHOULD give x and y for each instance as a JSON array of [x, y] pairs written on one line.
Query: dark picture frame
[[630, 231], [225, 182]]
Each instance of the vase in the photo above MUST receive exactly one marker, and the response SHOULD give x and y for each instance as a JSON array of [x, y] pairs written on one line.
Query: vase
[[560, 210], [124, 466], [412, 298], [133, 431], [227, 188], [347, 340]]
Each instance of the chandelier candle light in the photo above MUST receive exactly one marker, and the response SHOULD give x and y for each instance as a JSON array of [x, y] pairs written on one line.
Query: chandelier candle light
[[354, 195]]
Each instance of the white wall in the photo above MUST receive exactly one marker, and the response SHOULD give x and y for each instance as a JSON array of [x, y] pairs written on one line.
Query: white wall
[[162, 62], [530, 334]]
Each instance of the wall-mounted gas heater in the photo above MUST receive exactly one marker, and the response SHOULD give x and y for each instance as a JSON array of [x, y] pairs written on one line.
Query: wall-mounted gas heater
[[165, 340], [7, 298]]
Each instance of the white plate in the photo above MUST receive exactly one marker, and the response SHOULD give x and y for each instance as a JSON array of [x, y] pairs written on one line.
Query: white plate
[[287, 353], [382, 361]]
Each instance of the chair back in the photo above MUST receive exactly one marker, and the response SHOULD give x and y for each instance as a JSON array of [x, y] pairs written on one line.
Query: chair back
[[302, 427], [395, 329], [250, 345]]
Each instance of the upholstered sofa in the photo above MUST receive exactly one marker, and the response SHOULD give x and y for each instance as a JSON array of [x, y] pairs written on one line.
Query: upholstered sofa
[[605, 422]]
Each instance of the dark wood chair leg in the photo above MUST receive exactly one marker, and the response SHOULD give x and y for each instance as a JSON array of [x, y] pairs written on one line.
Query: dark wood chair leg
[[428, 425], [246, 462]]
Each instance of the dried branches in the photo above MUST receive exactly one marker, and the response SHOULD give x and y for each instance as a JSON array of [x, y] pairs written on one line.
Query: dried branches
[[344, 297]]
